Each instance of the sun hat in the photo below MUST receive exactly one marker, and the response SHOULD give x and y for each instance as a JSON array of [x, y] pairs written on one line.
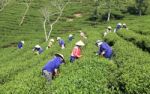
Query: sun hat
[[58, 38], [80, 43], [124, 24], [109, 27], [52, 40], [37, 46], [70, 35], [60, 55], [119, 24], [99, 42], [22, 42]]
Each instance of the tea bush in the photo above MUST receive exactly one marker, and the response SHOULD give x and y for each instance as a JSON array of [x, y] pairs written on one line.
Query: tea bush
[[133, 65], [139, 40]]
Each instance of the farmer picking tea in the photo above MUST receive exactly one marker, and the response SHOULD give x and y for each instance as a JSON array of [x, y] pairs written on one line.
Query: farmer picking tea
[[37, 49], [119, 26], [124, 26], [51, 41], [50, 70], [104, 49], [20, 44], [70, 37], [61, 42], [82, 35], [76, 52], [107, 30]]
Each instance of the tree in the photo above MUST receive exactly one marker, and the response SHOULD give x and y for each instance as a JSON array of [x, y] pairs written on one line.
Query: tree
[[53, 10], [3, 3], [112, 4], [109, 5], [95, 15], [141, 6], [27, 3]]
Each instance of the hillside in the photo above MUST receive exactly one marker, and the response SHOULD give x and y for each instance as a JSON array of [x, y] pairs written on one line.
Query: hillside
[[20, 69]]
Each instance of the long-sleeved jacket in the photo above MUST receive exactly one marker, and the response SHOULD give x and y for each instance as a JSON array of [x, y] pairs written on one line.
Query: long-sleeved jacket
[[118, 26], [53, 64], [20, 45], [61, 42], [70, 38], [105, 47]]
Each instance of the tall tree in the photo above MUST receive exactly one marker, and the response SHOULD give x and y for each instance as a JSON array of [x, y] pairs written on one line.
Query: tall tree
[[3, 3], [141, 6], [53, 10], [109, 5], [27, 3], [112, 4]]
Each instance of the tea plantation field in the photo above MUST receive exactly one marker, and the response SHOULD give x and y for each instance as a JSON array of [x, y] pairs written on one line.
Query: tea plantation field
[[20, 69]]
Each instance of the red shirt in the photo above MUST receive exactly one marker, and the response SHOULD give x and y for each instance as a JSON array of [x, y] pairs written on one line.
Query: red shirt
[[76, 52]]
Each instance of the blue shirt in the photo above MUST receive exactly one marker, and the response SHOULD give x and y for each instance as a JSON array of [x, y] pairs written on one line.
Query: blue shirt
[[53, 64], [118, 26], [61, 42], [40, 50], [20, 45], [105, 47], [70, 38]]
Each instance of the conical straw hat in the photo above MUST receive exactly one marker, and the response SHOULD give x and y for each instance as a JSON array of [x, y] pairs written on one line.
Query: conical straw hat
[[80, 43]]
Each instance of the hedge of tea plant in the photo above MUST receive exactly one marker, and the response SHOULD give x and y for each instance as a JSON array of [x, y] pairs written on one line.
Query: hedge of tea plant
[[140, 40], [133, 65]]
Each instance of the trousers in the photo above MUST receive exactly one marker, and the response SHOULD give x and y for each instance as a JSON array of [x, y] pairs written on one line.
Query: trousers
[[47, 75], [72, 59]]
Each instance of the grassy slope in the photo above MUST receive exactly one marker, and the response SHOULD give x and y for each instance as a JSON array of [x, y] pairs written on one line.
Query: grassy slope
[[87, 75]]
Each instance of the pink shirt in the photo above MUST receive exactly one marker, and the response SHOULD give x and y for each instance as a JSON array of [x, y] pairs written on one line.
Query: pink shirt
[[76, 52]]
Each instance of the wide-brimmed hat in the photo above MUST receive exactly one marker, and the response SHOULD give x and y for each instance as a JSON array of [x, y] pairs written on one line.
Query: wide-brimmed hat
[[37, 46], [52, 40], [60, 55], [109, 27], [70, 35], [124, 24], [22, 42], [80, 43], [58, 38], [119, 24], [99, 42]]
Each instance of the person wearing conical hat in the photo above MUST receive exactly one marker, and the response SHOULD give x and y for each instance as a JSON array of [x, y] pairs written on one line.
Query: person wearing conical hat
[[104, 49], [61, 42], [50, 43], [70, 37], [119, 26], [76, 52], [37, 49], [50, 70], [20, 44]]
